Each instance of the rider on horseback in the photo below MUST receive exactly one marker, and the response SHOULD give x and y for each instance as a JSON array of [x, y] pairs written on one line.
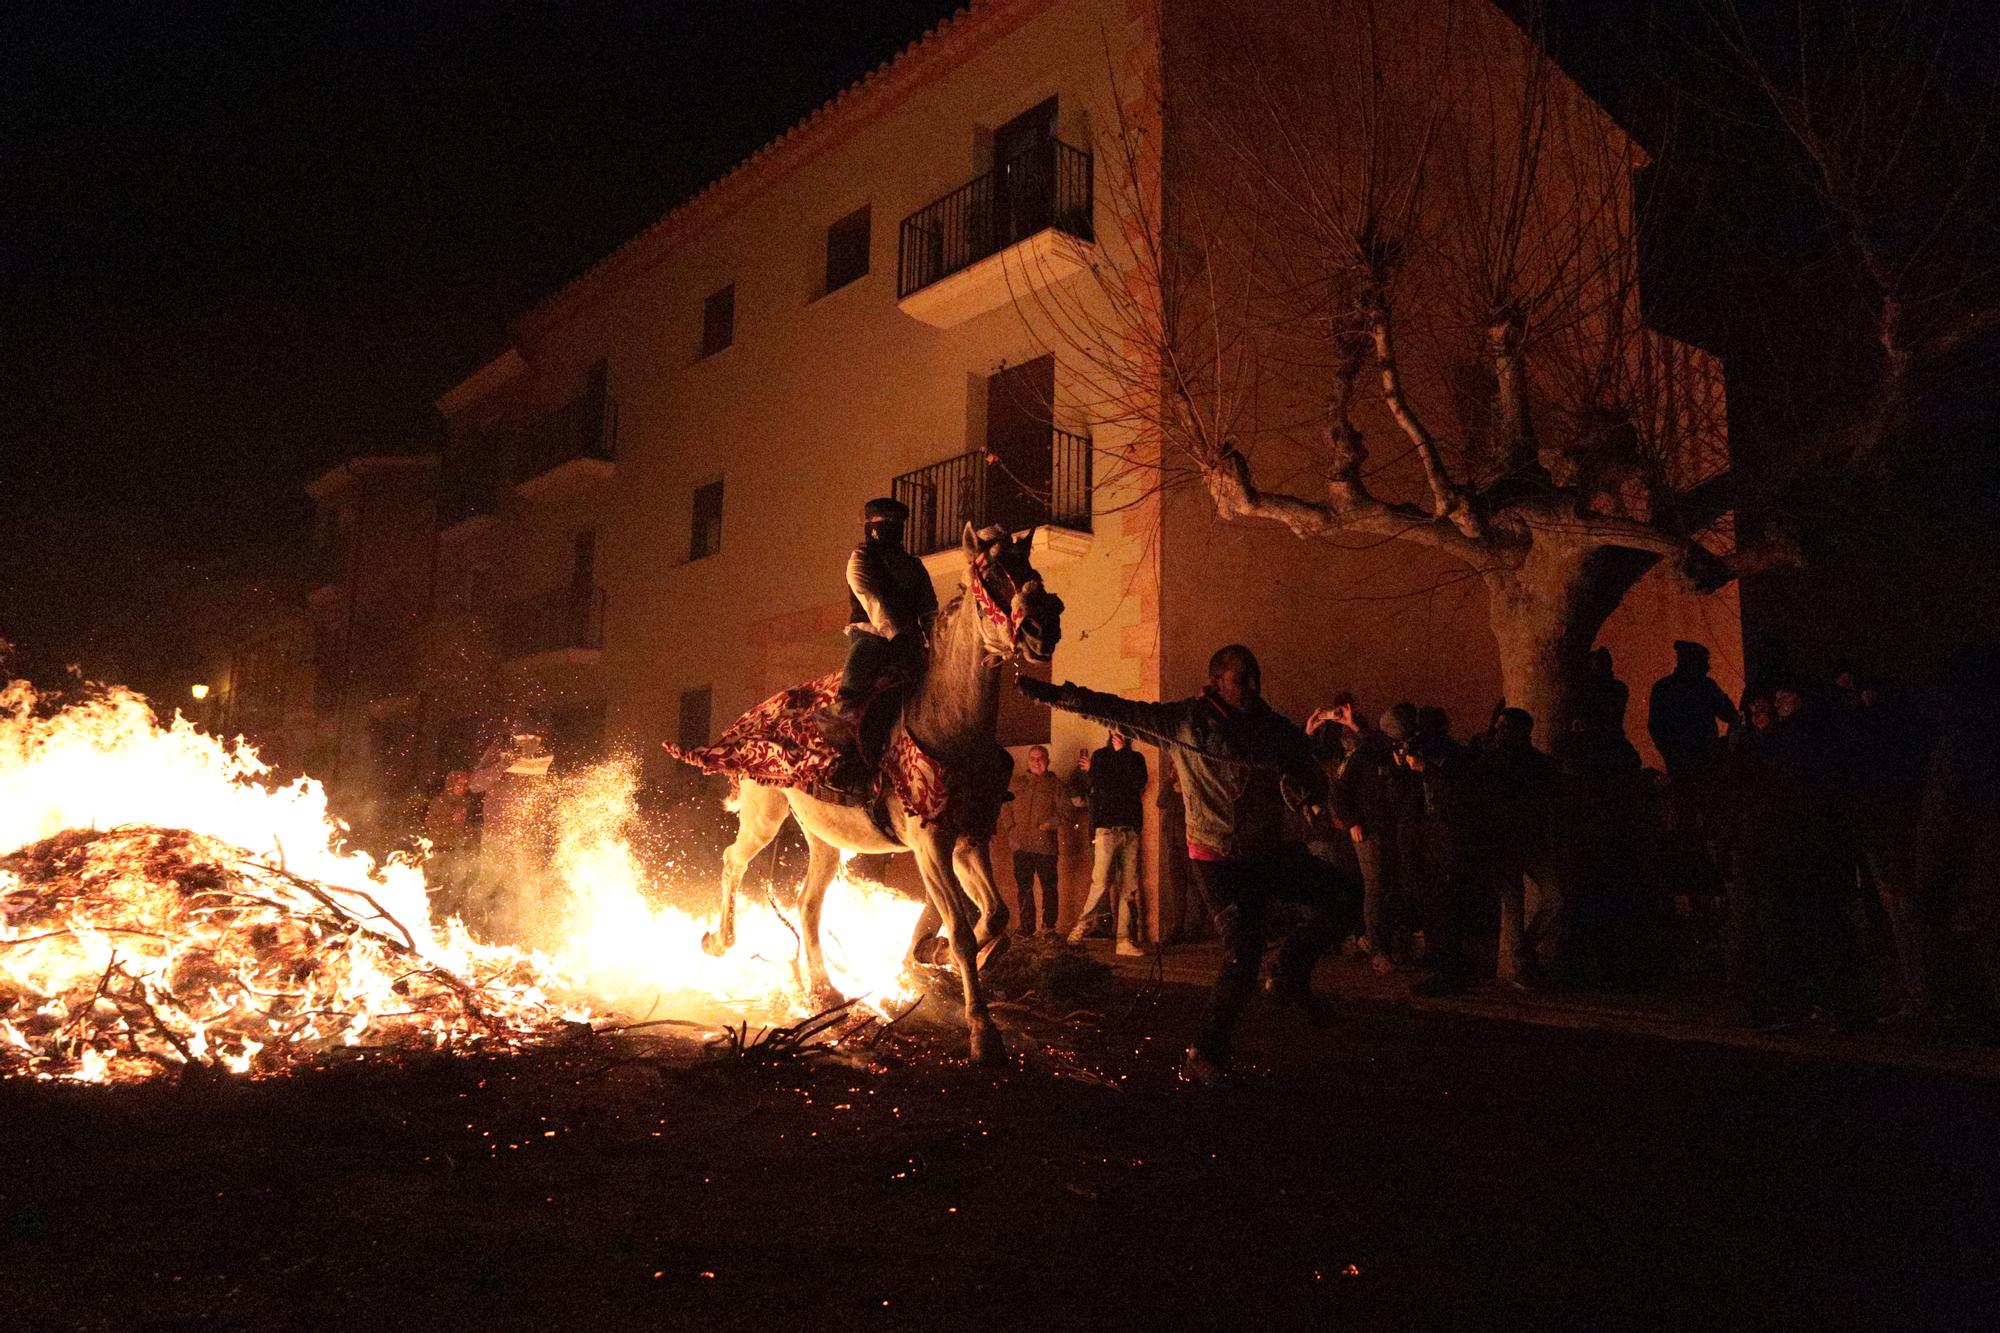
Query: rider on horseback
[[891, 604]]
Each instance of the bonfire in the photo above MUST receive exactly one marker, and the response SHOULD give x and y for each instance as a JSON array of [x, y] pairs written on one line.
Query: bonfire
[[139, 950], [165, 906]]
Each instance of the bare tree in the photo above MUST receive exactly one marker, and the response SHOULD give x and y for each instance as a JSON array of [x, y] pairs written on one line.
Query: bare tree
[[1337, 217], [1884, 117]]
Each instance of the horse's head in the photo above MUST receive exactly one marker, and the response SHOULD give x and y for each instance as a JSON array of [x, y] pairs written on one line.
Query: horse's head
[[1017, 614]]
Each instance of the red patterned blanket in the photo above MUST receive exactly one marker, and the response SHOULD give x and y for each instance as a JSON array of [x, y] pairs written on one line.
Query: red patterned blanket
[[778, 744]]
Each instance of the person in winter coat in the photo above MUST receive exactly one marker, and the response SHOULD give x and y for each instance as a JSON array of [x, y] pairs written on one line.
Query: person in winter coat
[[1033, 821], [1797, 861], [1446, 771], [1601, 822], [1238, 762], [1376, 799], [1515, 789], [1889, 745], [1681, 716], [1958, 824]]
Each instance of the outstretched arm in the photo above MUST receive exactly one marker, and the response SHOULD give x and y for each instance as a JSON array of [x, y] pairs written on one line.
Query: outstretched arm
[[1161, 723]]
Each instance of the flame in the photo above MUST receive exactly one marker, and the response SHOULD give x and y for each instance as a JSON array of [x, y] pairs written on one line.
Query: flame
[[218, 918]]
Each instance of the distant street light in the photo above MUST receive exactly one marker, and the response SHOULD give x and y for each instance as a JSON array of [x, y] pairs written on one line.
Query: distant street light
[[199, 691]]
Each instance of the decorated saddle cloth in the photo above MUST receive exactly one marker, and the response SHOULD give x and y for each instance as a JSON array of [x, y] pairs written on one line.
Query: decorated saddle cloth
[[779, 744], [776, 744]]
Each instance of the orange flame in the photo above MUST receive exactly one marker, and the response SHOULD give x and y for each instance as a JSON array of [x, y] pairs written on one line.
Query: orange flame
[[223, 920]]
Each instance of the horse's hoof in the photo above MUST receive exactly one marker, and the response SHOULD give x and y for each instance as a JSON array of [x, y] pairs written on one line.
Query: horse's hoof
[[714, 945], [990, 950], [934, 951], [989, 1046]]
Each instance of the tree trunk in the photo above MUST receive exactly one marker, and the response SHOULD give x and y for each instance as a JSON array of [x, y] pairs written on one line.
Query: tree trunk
[[1546, 615]]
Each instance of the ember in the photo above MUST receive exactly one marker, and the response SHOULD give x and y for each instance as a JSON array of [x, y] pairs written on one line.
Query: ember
[[165, 906]]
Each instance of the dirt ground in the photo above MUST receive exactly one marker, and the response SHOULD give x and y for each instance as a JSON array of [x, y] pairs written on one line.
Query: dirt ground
[[1399, 1170]]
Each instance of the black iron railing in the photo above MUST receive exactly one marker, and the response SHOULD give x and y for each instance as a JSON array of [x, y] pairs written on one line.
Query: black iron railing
[[1047, 185], [551, 622], [952, 492], [584, 427]]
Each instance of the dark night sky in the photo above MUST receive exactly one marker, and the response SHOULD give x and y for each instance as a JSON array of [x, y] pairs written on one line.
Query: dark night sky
[[238, 245]]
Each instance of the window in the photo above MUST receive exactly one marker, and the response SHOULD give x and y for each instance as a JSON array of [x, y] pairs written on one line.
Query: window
[[718, 321], [695, 706], [707, 533], [847, 249]]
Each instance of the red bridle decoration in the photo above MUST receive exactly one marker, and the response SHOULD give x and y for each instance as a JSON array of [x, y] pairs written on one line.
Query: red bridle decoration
[[988, 605]]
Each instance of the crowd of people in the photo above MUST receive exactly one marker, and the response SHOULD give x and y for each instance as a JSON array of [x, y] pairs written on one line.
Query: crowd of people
[[1827, 849]]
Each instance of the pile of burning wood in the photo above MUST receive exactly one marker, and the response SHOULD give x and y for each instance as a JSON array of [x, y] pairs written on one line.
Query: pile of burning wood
[[142, 950]]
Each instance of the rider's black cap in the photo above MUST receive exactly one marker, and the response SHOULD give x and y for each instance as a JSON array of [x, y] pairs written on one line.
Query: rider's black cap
[[884, 506]]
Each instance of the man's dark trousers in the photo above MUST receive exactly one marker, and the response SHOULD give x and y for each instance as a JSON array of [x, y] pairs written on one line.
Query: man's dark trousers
[[1240, 893], [1028, 866]]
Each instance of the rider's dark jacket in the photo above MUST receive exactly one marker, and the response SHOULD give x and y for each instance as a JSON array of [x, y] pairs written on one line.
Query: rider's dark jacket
[[889, 591]]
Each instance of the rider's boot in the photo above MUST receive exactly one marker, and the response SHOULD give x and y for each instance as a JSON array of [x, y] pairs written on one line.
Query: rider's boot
[[840, 725]]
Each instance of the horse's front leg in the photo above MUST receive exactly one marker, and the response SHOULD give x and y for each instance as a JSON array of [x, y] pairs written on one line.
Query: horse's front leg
[[926, 944], [759, 814], [934, 858]]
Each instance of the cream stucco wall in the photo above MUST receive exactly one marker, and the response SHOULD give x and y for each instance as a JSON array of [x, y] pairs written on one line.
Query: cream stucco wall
[[823, 398]]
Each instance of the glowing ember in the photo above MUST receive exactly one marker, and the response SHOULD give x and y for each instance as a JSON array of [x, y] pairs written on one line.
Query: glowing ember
[[214, 918]]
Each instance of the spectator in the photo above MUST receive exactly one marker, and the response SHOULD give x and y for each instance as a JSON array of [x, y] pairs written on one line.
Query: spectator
[[1406, 845], [1681, 717], [1797, 865], [1368, 799], [1602, 706], [448, 825], [1958, 828], [1321, 835], [1734, 827], [1890, 745], [1444, 770], [1117, 793], [514, 845], [1599, 845], [1033, 821], [1229, 750], [1515, 791]]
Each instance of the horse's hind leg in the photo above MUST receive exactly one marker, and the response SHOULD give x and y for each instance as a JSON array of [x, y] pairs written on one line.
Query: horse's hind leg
[[823, 861], [760, 813]]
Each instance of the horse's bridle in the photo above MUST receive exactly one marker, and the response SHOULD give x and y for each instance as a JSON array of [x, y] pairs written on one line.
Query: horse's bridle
[[990, 607]]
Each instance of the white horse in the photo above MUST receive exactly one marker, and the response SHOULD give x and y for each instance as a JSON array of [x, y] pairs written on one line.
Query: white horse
[[952, 715]]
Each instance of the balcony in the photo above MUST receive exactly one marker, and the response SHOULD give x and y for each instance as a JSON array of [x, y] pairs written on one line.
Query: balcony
[[559, 621], [970, 488], [468, 482], [577, 439], [958, 256]]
